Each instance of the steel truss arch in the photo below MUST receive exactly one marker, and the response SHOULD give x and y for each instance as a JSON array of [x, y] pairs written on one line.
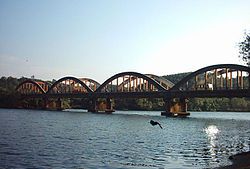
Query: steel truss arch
[[226, 69], [92, 83], [36, 85], [133, 77], [44, 84], [167, 84], [74, 79]]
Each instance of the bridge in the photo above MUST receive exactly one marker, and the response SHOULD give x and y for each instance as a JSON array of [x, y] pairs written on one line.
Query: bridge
[[222, 80]]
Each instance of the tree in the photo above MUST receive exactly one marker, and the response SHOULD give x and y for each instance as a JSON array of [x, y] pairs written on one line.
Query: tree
[[245, 48]]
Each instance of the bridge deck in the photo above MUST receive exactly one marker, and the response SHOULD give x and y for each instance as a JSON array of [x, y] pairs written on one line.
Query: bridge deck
[[153, 94]]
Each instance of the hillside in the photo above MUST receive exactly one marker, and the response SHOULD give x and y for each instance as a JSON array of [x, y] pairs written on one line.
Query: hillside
[[175, 78]]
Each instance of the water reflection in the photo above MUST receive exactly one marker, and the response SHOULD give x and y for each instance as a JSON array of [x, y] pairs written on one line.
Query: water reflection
[[212, 132]]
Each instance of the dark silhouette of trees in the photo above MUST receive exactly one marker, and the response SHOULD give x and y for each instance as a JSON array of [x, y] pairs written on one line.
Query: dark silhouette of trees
[[244, 48]]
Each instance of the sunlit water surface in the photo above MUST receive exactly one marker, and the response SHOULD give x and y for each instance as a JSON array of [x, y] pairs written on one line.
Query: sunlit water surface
[[125, 139]]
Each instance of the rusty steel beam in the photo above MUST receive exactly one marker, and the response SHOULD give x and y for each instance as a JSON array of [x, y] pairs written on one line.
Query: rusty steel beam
[[205, 79], [241, 81], [215, 79], [231, 79], [195, 82], [226, 78]]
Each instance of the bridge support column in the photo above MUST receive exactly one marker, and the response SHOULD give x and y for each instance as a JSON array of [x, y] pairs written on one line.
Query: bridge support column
[[92, 105], [45, 103], [175, 107], [109, 107], [59, 104], [183, 105], [103, 106]]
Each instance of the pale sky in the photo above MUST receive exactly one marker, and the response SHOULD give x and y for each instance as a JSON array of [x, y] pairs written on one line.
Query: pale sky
[[51, 39]]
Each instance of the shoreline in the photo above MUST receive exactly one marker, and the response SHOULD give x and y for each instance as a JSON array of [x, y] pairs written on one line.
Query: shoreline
[[240, 161]]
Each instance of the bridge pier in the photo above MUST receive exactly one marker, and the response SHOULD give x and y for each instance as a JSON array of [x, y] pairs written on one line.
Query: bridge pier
[[92, 105], [59, 104], [101, 107], [175, 107], [109, 107], [45, 103], [51, 104]]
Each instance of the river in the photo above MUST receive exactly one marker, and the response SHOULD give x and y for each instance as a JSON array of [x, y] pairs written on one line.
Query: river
[[125, 139]]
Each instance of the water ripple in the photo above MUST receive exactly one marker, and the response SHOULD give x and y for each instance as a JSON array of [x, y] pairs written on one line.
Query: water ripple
[[44, 139]]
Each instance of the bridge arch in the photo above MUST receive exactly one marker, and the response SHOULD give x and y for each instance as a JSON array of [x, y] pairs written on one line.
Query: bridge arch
[[44, 84], [69, 85], [92, 84], [216, 77], [30, 87], [130, 82], [167, 84]]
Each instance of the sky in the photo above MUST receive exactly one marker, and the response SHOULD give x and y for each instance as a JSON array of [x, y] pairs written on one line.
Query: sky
[[97, 39]]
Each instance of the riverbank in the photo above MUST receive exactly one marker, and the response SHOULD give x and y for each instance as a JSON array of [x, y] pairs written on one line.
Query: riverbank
[[240, 161]]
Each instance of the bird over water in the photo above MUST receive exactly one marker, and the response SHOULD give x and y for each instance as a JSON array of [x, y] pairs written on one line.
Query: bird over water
[[153, 123]]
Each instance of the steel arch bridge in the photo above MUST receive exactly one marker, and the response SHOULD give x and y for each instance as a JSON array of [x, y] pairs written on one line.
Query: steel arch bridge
[[130, 82], [222, 80], [69, 85], [33, 87], [223, 76]]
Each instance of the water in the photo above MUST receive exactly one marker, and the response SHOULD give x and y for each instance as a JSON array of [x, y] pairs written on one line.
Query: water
[[75, 139]]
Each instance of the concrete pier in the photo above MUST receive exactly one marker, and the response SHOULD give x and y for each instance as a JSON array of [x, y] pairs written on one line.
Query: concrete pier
[[175, 108], [175, 114]]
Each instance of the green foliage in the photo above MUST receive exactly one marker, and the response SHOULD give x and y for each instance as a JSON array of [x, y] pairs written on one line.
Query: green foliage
[[77, 103], [219, 104], [66, 104], [244, 48], [139, 104], [8, 100]]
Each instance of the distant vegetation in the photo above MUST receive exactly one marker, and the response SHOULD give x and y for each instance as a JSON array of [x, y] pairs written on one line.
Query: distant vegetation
[[9, 99], [175, 78], [244, 48], [8, 96], [139, 104]]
